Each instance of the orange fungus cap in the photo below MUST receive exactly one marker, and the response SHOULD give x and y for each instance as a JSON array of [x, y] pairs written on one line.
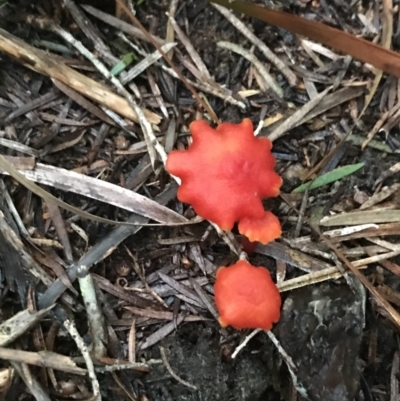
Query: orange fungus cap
[[263, 230], [246, 297], [225, 172]]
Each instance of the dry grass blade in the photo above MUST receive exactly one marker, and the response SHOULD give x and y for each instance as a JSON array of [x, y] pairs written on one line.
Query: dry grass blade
[[195, 253], [161, 333], [113, 365], [41, 101], [293, 120], [150, 59], [217, 90], [176, 285], [20, 162], [61, 230], [96, 321], [190, 48], [362, 217], [388, 173], [74, 333], [34, 386], [203, 296], [19, 324], [140, 274], [317, 48], [19, 147], [121, 293], [394, 381], [162, 315], [82, 101], [293, 257], [103, 191], [374, 230], [376, 258], [170, 33], [24, 259], [45, 359], [9, 204], [375, 129], [123, 389], [244, 343], [331, 101], [320, 276], [49, 259], [379, 197], [391, 295], [121, 25], [43, 63]]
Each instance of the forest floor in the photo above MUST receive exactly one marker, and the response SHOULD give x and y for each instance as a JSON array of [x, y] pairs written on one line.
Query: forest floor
[[81, 142]]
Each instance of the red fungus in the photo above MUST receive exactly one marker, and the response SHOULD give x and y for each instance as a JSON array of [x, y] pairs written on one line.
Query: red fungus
[[225, 173], [263, 230], [246, 297]]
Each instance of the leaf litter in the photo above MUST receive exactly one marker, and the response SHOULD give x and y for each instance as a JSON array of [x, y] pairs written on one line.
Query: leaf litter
[[98, 142]]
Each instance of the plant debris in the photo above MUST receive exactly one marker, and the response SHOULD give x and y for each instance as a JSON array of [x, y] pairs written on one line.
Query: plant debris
[[107, 279]]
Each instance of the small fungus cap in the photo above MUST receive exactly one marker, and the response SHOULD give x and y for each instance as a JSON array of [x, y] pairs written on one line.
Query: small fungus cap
[[246, 297], [225, 172], [263, 230]]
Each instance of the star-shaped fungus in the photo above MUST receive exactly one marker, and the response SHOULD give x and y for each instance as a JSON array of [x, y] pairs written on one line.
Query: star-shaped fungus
[[225, 173], [246, 297]]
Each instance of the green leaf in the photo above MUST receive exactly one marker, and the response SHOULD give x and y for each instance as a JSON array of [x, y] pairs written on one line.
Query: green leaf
[[329, 177], [123, 63]]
